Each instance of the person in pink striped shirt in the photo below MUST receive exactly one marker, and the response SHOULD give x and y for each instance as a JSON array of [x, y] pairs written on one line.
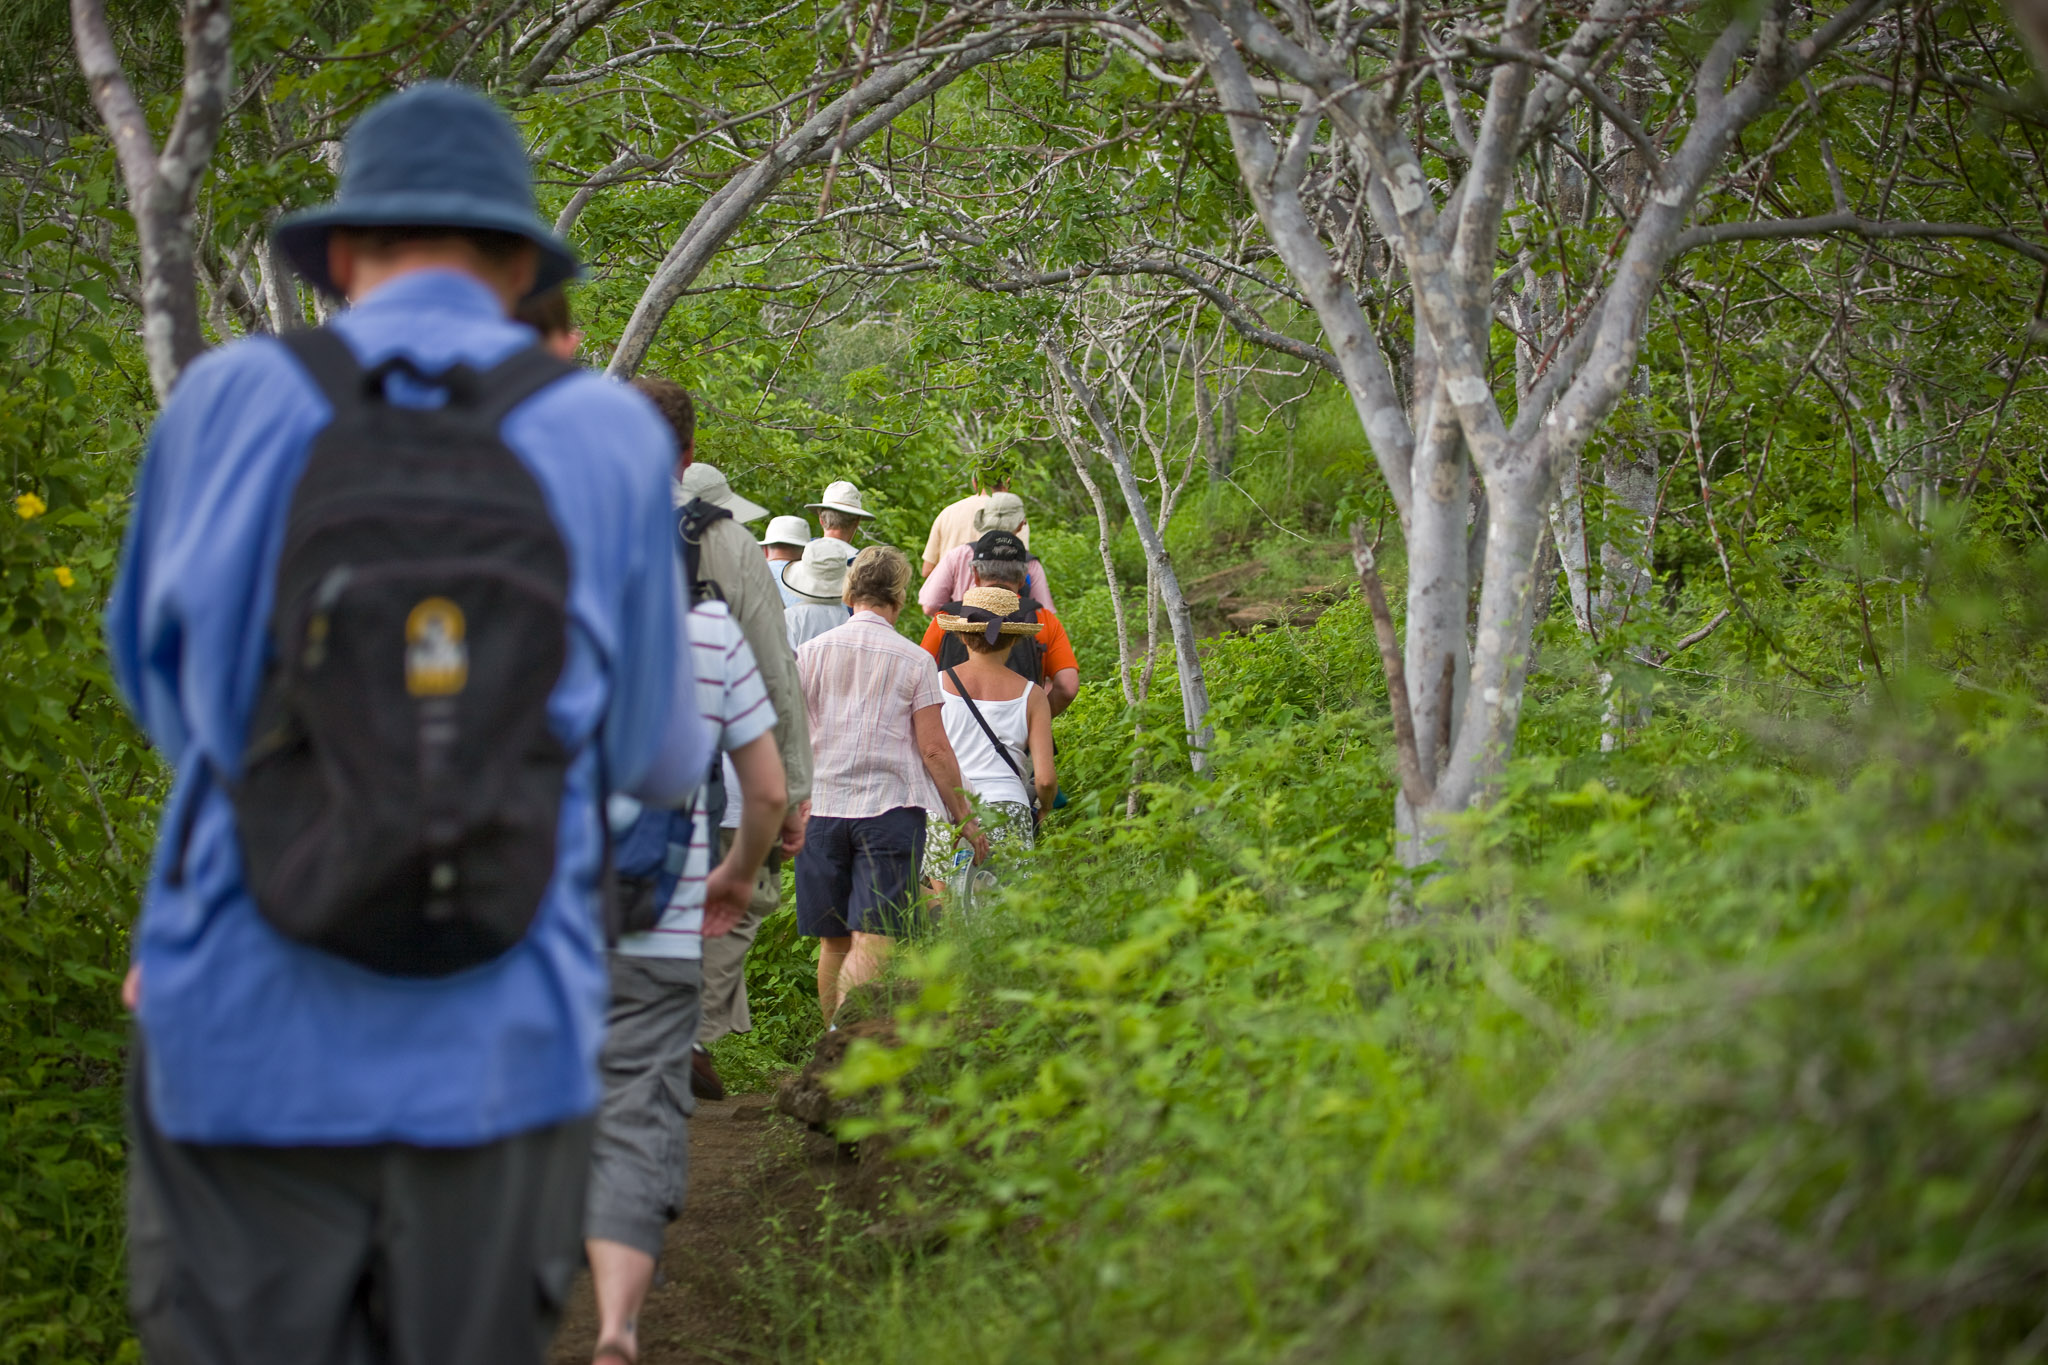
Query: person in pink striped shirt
[[881, 761]]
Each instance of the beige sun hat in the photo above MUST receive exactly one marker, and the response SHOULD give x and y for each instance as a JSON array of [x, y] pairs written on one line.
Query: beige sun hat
[[989, 610], [702, 481], [1002, 512], [820, 576], [841, 496], [794, 532]]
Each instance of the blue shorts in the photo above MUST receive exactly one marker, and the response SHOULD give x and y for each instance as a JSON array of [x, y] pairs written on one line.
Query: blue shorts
[[858, 874]]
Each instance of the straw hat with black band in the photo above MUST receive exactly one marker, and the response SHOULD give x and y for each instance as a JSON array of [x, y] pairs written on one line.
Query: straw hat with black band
[[986, 612]]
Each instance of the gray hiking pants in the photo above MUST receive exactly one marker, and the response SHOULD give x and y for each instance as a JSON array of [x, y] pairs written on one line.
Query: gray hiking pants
[[640, 1163], [374, 1255], [725, 957]]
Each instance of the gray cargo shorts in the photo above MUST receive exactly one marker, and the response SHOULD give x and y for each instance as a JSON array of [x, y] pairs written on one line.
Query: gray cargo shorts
[[640, 1162], [244, 1255]]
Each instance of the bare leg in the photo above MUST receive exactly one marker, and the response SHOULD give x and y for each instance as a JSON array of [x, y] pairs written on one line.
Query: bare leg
[[621, 1276], [831, 958], [863, 964]]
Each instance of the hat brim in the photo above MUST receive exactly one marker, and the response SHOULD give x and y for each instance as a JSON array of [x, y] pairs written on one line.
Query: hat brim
[[742, 509], [811, 588], [960, 625], [766, 541], [302, 236], [839, 507]]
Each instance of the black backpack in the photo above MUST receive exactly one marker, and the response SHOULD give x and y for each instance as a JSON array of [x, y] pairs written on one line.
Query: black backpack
[[401, 790]]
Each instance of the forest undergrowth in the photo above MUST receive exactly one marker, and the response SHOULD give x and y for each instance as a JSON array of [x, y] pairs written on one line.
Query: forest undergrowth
[[1726, 1044]]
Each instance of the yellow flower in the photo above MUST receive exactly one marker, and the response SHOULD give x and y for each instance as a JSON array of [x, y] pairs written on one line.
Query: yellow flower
[[28, 507], [65, 578]]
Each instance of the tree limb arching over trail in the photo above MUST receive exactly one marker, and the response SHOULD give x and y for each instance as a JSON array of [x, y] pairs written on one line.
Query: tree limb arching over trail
[[934, 60]]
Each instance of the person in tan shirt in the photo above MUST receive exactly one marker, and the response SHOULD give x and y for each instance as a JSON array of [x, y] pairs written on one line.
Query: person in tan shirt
[[731, 558], [954, 526]]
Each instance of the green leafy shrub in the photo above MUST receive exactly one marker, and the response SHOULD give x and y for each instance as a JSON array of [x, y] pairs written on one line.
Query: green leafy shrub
[[1726, 1044]]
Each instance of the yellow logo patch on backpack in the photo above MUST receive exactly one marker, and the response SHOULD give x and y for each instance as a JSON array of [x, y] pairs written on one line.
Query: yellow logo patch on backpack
[[436, 657]]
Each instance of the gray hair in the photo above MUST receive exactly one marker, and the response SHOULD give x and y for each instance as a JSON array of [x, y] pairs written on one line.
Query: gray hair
[[1002, 573], [879, 576], [837, 521]]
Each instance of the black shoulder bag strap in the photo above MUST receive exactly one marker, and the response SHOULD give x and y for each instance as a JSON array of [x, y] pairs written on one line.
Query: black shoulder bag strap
[[1002, 749]]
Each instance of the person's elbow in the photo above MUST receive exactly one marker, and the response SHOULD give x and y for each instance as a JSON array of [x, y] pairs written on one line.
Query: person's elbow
[[1062, 688], [768, 796]]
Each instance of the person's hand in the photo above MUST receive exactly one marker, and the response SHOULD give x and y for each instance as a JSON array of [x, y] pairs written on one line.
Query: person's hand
[[131, 988], [970, 830], [793, 829], [726, 894]]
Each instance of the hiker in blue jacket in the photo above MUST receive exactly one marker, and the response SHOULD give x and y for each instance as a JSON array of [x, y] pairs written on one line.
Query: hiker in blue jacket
[[362, 1152]]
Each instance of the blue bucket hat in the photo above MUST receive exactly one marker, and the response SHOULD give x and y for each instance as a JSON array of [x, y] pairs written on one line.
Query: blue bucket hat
[[435, 155]]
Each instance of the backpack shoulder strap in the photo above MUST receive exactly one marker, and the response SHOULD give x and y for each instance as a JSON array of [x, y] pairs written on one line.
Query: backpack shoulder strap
[[693, 519], [517, 378], [331, 364]]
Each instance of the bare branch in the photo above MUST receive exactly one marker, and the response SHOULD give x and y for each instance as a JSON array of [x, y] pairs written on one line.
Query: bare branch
[[1828, 224], [1414, 785]]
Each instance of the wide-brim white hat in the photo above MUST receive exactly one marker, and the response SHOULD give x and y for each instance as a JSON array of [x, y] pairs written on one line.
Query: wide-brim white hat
[[794, 532], [703, 481], [841, 496], [820, 576]]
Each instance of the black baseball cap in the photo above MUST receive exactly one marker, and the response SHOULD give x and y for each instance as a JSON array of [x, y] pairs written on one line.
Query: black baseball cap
[[999, 547]]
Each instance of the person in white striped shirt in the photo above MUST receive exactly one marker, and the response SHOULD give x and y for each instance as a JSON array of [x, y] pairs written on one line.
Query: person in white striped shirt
[[639, 1165]]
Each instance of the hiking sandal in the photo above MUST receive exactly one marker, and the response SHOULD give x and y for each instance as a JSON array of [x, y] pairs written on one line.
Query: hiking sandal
[[611, 1350]]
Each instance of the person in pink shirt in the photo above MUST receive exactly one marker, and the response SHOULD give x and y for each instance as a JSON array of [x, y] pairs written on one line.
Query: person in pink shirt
[[954, 574]]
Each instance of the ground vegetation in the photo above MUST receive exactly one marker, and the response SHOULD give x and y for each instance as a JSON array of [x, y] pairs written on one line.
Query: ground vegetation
[[1522, 894]]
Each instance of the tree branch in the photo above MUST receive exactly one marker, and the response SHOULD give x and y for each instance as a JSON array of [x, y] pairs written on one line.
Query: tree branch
[[1414, 785], [1827, 224]]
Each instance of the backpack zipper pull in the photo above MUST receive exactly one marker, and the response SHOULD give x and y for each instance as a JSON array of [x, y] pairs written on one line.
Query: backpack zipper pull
[[324, 597]]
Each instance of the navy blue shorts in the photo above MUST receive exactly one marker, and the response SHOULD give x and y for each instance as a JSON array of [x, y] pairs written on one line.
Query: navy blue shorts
[[858, 874]]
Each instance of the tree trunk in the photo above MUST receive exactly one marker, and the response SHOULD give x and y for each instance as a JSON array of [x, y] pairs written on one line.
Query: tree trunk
[[162, 190], [1194, 688]]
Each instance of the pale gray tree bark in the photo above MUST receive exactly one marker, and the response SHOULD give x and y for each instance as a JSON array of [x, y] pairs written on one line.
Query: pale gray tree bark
[[1447, 240], [1194, 687], [163, 187]]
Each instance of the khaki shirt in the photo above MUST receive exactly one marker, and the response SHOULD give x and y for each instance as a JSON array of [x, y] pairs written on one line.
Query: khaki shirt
[[954, 526], [730, 558]]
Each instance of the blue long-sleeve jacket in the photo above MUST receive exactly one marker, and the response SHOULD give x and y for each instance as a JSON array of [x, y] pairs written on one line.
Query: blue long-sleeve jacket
[[251, 1037]]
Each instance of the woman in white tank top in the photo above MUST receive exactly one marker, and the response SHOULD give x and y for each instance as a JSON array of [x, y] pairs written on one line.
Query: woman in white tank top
[[1008, 773]]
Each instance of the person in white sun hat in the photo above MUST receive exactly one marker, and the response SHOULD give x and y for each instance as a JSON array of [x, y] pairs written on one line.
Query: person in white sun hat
[[840, 511], [784, 544], [815, 584]]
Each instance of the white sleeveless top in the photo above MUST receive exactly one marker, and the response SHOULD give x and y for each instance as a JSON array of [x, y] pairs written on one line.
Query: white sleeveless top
[[987, 776]]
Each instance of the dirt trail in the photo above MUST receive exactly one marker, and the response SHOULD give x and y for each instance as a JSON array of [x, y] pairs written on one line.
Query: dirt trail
[[749, 1166]]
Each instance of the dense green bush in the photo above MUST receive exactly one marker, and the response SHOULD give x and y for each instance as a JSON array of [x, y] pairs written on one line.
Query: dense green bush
[[1726, 1044]]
